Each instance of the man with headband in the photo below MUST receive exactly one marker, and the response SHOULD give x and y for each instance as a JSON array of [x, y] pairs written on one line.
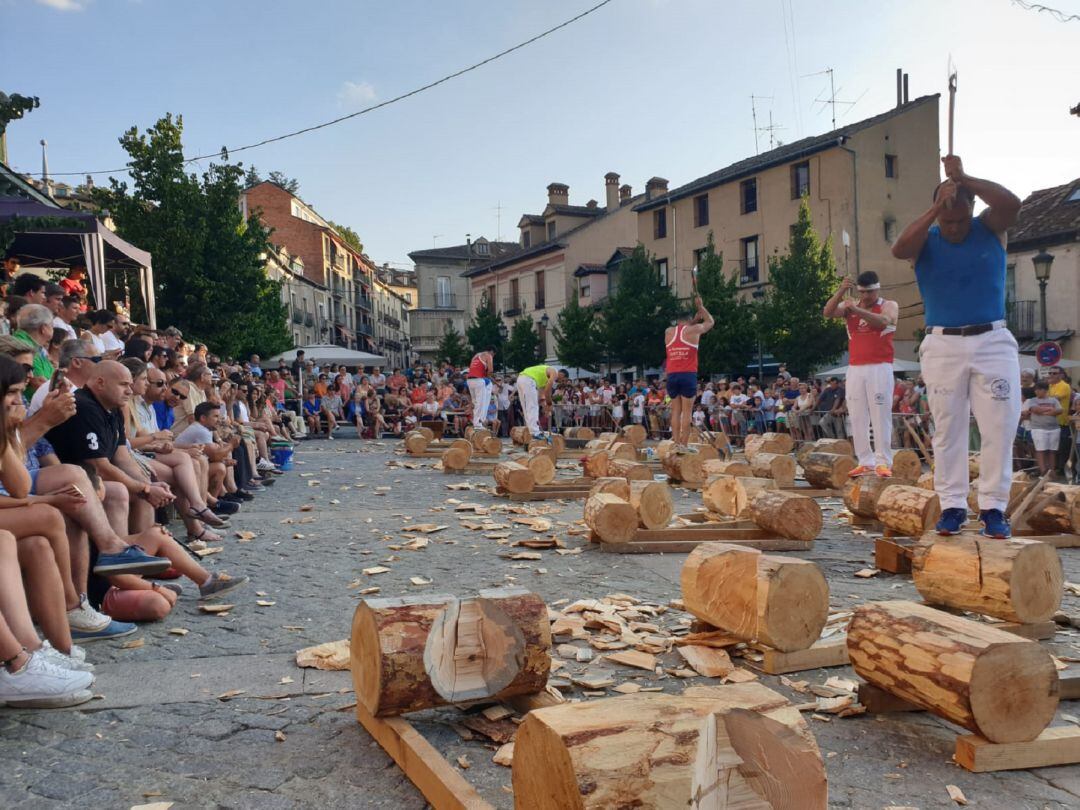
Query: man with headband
[[871, 323], [970, 360]]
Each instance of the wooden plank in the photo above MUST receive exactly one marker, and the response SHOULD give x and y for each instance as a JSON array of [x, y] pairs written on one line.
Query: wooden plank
[[472, 469], [1055, 746], [1069, 684], [892, 556], [827, 652], [545, 495], [426, 768], [684, 546]]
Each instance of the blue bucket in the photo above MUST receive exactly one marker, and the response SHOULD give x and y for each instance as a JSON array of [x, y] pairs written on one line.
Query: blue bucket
[[282, 457]]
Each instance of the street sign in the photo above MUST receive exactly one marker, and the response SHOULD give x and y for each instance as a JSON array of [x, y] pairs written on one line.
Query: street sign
[[1048, 353]]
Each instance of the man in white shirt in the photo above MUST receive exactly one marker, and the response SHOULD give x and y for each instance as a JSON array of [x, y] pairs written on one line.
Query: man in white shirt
[[66, 313]]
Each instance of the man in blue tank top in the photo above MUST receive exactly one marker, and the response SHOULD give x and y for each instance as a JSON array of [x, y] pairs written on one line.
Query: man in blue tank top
[[970, 360]]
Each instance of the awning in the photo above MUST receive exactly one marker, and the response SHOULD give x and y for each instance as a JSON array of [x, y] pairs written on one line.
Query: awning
[[327, 353], [899, 366]]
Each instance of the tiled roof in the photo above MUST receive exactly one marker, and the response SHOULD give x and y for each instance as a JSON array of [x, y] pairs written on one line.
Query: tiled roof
[[496, 250], [782, 154], [531, 219], [590, 269], [576, 210], [1050, 215]]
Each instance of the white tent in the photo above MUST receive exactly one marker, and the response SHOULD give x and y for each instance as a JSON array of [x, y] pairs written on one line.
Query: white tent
[[328, 353], [898, 367]]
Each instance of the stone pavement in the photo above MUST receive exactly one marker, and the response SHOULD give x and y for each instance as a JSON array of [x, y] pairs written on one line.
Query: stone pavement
[[161, 733]]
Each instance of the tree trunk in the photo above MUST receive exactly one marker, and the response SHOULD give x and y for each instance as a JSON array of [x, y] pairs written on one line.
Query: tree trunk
[[513, 477], [926, 481], [861, 494], [779, 468], [1056, 510], [706, 452], [685, 467], [842, 447], [478, 437], [827, 470], [580, 433], [631, 470], [795, 517], [717, 467], [520, 435], [751, 447], [986, 680], [416, 443], [541, 468], [455, 458], [663, 449], [735, 747], [1013, 580], [729, 495], [415, 653], [907, 510], [619, 487], [652, 501], [906, 466], [635, 434], [595, 464], [464, 445], [623, 451], [611, 518], [781, 602]]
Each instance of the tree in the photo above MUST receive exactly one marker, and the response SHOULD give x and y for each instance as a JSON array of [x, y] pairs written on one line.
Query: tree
[[802, 280], [483, 329], [210, 279], [452, 348], [638, 312], [523, 344], [578, 338], [730, 344], [351, 237], [290, 184]]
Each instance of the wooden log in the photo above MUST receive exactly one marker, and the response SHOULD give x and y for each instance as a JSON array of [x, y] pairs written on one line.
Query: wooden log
[[740, 747], [686, 467], [491, 446], [609, 437], [618, 487], [415, 653], [464, 445], [729, 495], [541, 468], [652, 500], [416, 443], [717, 467], [906, 466], [841, 447], [580, 433], [543, 449], [558, 442], [595, 464], [786, 514], [986, 680], [861, 494], [623, 451], [772, 465], [827, 470], [631, 470], [611, 518], [907, 510], [778, 601], [926, 481], [635, 434], [695, 436], [973, 466], [1057, 509], [598, 443], [663, 449], [478, 437], [705, 451], [513, 477], [778, 443], [455, 458], [751, 447], [1015, 580], [520, 435], [429, 434]]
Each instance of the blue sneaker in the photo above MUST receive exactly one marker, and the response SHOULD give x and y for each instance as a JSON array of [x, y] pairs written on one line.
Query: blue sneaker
[[113, 629], [952, 522], [132, 560], [995, 524]]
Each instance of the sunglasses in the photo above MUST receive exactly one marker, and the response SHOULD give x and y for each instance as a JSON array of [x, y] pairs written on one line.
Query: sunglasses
[[91, 359], [161, 384], [177, 394]]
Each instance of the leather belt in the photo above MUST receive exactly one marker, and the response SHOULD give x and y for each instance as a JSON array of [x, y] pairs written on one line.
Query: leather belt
[[971, 329]]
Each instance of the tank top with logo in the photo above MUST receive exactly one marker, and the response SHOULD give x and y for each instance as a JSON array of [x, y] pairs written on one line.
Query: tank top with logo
[[682, 355]]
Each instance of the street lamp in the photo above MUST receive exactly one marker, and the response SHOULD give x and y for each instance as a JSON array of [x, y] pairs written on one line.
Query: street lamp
[[503, 334], [544, 321], [1042, 261]]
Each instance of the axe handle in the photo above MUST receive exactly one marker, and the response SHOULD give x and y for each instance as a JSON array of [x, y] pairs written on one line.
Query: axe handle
[[952, 109]]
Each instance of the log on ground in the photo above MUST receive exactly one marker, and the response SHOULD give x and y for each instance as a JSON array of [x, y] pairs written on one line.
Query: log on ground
[[729, 495], [775, 466], [455, 458], [624, 451], [861, 494], [906, 465], [513, 477], [718, 467], [631, 470], [612, 485], [416, 443], [611, 518], [827, 470], [684, 467], [541, 467], [595, 463], [635, 434], [1056, 510], [909, 511], [652, 500], [786, 514]]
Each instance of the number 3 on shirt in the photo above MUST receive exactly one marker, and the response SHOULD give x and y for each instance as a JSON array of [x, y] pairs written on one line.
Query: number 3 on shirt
[[92, 441]]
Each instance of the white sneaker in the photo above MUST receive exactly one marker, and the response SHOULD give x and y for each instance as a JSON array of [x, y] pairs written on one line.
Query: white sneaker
[[43, 685], [84, 618], [54, 656], [265, 465]]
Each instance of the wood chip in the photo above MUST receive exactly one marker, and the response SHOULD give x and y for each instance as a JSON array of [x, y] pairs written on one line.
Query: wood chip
[[264, 603], [333, 655], [525, 555], [592, 681], [463, 762], [633, 658], [133, 644], [707, 661], [279, 736], [627, 688], [419, 581], [231, 694], [244, 535], [956, 794], [498, 712], [866, 573], [206, 552], [504, 756], [215, 608], [377, 569], [740, 675], [178, 631]]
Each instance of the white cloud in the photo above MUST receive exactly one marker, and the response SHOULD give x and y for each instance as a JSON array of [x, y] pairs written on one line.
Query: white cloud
[[354, 94], [64, 5]]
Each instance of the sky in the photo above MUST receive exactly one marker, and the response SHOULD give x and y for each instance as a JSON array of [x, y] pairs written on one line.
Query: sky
[[640, 87]]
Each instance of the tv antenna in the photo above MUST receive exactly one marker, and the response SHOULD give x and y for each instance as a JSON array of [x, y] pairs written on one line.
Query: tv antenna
[[498, 221], [831, 99], [753, 112], [434, 239]]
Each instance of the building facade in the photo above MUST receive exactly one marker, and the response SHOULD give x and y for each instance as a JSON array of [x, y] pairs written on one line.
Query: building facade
[[391, 322], [307, 302]]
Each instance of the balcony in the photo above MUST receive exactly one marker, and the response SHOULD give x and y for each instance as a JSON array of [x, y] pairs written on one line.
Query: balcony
[[297, 317], [1021, 319], [363, 302], [363, 329], [514, 306], [391, 321], [442, 301]]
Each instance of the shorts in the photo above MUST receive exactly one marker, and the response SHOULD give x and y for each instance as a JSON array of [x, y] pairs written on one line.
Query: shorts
[[134, 606], [1045, 439], [682, 384]]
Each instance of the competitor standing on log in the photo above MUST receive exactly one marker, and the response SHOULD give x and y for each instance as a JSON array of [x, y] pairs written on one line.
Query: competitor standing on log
[[533, 385], [481, 370], [871, 322], [681, 342], [970, 360]]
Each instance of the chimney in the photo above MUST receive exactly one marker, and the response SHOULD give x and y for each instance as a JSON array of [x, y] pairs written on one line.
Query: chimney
[[611, 188], [90, 181], [558, 194], [655, 187], [592, 204], [905, 89], [625, 193], [899, 86]]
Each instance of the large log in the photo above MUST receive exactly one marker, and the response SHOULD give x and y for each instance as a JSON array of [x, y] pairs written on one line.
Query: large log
[[827, 470], [554, 440], [729, 495], [735, 747], [541, 468], [618, 487], [464, 445], [599, 443], [705, 451], [416, 443], [513, 477], [1017, 489], [520, 435], [543, 449], [1015, 580], [491, 446], [685, 467], [595, 463], [986, 680], [906, 466], [624, 451], [779, 601], [426, 431], [635, 434], [787, 514], [926, 481], [777, 467], [861, 494], [455, 458], [717, 467], [778, 443], [663, 449], [580, 433], [652, 501], [611, 518], [751, 446], [478, 437], [908, 510], [631, 470], [1056, 510], [839, 446], [415, 653]]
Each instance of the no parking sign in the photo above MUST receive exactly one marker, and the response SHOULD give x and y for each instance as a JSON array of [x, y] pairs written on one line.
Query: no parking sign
[[1048, 353]]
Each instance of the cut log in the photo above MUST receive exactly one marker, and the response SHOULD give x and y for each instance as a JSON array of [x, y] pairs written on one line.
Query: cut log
[[630, 470], [455, 458], [416, 443], [907, 510], [595, 464], [618, 487], [580, 433], [1017, 489], [652, 500], [416, 653], [741, 747], [778, 443], [861, 494], [429, 434], [598, 443], [609, 437], [541, 468], [751, 447], [1056, 510], [827, 470], [685, 467], [778, 601], [973, 466], [478, 437], [624, 451], [841, 447], [926, 481], [695, 436], [513, 477], [717, 467], [663, 449], [558, 442], [1015, 580], [906, 466], [491, 446], [986, 680], [706, 452], [729, 495], [779, 468], [520, 435], [635, 434], [786, 514], [464, 445], [611, 518], [543, 449]]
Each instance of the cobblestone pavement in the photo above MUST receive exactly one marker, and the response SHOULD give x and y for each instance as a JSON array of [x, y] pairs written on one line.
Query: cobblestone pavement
[[161, 733]]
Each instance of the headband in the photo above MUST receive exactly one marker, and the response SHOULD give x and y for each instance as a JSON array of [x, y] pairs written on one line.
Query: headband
[[868, 287]]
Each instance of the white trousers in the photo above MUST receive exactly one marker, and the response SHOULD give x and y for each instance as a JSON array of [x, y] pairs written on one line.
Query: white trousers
[[480, 392], [530, 405], [869, 399], [977, 374]]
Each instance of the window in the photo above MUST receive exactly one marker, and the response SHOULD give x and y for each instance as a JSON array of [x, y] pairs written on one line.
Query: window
[[551, 229], [659, 219], [749, 260], [699, 256], [515, 299], [443, 298], [584, 288], [701, 210], [748, 195], [292, 297], [491, 297], [526, 239], [662, 271], [481, 248], [800, 180], [540, 291], [890, 165], [890, 230], [1010, 282]]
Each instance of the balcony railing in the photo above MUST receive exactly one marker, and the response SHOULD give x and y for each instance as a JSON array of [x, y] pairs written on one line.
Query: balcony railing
[[514, 306], [364, 329], [1021, 318], [442, 301], [363, 302]]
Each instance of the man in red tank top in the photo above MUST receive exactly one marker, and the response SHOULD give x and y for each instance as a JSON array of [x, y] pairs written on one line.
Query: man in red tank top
[[481, 368], [871, 323], [681, 342]]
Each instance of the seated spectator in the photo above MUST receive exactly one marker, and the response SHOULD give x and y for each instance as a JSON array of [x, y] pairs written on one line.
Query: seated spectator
[[31, 287], [36, 331], [101, 333], [200, 433], [313, 413]]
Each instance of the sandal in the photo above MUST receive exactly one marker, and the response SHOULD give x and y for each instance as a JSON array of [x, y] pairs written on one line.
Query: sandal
[[204, 537], [208, 517]]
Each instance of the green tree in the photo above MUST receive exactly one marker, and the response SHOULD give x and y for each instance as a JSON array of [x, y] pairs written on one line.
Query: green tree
[[290, 184], [522, 344], [351, 237], [578, 336], [209, 278], [802, 280], [730, 344], [483, 329], [637, 313], [452, 348]]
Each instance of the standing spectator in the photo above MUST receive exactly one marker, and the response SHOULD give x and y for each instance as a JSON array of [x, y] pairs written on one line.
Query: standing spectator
[[1043, 412], [254, 367], [829, 405], [1060, 389]]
